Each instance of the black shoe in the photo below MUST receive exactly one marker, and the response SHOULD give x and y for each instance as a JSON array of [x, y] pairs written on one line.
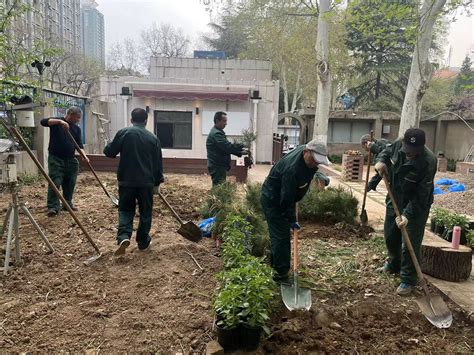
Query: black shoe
[[145, 250], [122, 246], [279, 279], [52, 212]]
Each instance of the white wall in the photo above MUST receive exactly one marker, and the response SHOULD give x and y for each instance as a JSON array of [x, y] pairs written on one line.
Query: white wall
[[267, 107]]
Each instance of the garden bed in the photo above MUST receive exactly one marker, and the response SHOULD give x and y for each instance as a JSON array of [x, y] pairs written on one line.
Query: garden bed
[[162, 301]]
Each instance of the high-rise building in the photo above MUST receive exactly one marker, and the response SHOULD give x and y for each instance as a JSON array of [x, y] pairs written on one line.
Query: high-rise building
[[52, 21], [92, 31]]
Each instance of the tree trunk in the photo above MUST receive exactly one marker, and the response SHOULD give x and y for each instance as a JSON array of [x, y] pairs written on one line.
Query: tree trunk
[[323, 99], [296, 93], [420, 67], [439, 260]]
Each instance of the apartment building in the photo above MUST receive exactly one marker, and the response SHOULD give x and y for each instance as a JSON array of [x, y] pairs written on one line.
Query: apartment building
[[51, 21], [92, 31]]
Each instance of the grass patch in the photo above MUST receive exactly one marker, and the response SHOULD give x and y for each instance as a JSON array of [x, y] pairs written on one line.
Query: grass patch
[[332, 268], [29, 179]]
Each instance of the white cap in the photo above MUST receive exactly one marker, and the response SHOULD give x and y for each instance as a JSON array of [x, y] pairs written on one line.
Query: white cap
[[319, 152]]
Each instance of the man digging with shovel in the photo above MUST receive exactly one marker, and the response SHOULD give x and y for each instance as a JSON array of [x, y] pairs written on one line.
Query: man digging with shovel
[[410, 167], [139, 176], [287, 183]]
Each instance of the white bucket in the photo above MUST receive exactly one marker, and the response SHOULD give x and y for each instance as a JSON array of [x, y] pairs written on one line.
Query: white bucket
[[25, 118]]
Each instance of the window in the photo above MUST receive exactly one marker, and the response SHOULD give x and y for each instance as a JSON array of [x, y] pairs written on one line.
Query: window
[[174, 129], [347, 132]]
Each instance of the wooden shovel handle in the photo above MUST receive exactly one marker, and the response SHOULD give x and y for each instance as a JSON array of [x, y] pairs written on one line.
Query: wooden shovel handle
[[295, 243], [369, 158], [84, 157], [406, 237], [53, 186]]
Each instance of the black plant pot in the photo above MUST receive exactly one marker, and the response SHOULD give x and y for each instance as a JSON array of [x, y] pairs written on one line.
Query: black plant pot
[[433, 226], [439, 229], [229, 338], [250, 337]]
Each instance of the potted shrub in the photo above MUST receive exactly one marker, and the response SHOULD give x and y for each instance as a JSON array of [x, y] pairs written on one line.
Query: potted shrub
[[441, 220], [456, 219], [228, 305], [260, 294]]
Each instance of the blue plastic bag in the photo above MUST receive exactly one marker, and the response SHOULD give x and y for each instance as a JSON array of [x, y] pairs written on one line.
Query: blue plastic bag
[[206, 226], [457, 188], [446, 181], [438, 191]]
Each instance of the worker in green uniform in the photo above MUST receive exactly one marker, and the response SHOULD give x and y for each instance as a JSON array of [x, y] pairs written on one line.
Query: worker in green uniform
[[139, 176], [286, 184], [410, 167], [63, 167], [376, 146], [219, 150]]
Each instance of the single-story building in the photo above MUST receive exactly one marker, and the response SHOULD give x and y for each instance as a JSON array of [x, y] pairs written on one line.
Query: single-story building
[[449, 133], [182, 95]]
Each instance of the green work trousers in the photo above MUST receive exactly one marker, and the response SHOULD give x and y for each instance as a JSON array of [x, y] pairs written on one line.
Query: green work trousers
[[280, 238], [399, 259], [63, 172], [218, 174], [128, 198]]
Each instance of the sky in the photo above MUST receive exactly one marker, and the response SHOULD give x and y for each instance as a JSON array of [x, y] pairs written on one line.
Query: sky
[[127, 18]]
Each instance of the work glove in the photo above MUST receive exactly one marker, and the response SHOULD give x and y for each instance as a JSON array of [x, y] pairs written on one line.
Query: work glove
[[295, 225], [401, 221], [371, 186], [245, 151], [156, 190], [381, 168]]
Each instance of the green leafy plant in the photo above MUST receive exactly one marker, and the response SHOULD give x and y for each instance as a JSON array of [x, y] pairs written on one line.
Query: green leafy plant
[[331, 204], [29, 179], [246, 295], [452, 164], [470, 238]]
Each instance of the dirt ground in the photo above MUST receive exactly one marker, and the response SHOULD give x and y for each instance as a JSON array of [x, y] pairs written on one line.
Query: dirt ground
[[161, 301]]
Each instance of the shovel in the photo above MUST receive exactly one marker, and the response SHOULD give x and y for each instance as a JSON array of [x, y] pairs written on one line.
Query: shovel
[[433, 307], [112, 198], [20, 138], [295, 297], [188, 230], [363, 214]]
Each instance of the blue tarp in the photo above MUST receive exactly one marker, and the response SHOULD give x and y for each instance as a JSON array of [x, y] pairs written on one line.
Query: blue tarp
[[206, 226], [446, 181], [438, 191], [457, 188]]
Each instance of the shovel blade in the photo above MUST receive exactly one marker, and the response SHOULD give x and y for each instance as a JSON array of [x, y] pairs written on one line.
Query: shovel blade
[[114, 200], [295, 297], [92, 259], [190, 231], [435, 310], [363, 217]]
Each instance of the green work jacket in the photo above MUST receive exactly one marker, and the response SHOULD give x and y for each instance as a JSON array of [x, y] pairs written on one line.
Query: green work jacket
[[141, 162], [287, 183], [411, 181], [219, 149]]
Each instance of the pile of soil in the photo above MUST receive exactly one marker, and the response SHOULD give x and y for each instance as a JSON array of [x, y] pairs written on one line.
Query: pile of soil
[[161, 301], [459, 202]]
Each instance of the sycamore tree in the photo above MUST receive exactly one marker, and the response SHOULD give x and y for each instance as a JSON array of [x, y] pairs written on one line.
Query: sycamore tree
[[421, 68]]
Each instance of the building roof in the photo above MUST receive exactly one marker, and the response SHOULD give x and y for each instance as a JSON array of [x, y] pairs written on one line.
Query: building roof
[[193, 95], [446, 73]]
